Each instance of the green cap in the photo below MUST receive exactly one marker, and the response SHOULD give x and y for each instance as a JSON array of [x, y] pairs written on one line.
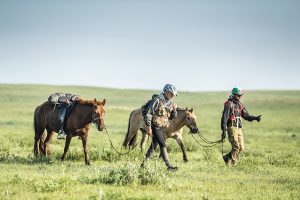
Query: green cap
[[237, 91]]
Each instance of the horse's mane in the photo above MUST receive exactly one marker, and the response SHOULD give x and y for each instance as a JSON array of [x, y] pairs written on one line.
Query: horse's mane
[[88, 102], [85, 102]]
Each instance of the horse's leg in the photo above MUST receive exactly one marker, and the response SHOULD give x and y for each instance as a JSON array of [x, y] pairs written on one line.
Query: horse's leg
[[36, 148], [47, 141], [38, 141], [68, 141], [144, 140], [132, 138], [180, 143], [41, 144], [85, 149]]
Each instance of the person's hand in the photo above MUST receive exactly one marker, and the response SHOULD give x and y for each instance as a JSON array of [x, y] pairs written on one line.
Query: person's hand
[[149, 130], [174, 106], [223, 135], [258, 118]]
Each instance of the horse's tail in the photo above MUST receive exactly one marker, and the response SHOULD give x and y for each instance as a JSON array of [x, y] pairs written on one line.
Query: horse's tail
[[34, 121], [128, 131], [132, 142], [38, 131], [35, 146]]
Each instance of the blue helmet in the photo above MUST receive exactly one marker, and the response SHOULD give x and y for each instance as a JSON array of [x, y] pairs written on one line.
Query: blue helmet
[[170, 88]]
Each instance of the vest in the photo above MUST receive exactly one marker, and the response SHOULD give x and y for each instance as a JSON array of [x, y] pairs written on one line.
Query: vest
[[235, 117], [161, 116]]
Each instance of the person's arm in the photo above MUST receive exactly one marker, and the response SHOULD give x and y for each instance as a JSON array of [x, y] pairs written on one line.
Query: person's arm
[[150, 110], [225, 116], [248, 117], [173, 112]]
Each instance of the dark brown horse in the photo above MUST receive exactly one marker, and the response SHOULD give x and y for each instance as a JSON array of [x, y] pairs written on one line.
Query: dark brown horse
[[77, 123]]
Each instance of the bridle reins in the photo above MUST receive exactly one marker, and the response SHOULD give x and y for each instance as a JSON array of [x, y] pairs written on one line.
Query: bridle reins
[[200, 135], [94, 119]]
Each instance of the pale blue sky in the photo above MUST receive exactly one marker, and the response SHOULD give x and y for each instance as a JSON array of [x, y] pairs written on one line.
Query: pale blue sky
[[196, 45]]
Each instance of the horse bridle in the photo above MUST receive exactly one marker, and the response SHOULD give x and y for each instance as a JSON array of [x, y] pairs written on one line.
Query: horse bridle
[[95, 119], [189, 125]]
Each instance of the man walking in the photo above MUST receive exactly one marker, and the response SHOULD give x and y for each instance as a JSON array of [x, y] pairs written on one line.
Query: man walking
[[231, 123]]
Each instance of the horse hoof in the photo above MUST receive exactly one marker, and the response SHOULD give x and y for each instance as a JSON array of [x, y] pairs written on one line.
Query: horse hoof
[[185, 160], [88, 163]]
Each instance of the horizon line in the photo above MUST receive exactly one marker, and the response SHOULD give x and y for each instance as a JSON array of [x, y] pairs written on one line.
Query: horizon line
[[143, 89]]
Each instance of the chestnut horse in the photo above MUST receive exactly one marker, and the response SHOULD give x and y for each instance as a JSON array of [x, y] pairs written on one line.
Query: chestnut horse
[[77, 123]]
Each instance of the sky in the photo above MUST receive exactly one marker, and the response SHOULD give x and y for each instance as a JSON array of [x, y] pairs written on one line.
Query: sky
[[195, 45]]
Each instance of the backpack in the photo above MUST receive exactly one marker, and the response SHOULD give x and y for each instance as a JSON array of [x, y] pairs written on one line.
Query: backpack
[[144, 107]]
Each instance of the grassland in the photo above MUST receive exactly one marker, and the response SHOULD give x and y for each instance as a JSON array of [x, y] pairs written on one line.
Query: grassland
[[268, 169]]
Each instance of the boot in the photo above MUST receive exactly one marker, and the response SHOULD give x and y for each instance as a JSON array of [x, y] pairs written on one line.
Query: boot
[[61, 115], [227, 159], [165, 157], [61, 134]]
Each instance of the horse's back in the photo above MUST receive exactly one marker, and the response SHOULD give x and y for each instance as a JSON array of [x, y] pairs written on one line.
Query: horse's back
[[46, 115], [40, 110], [44, 106]]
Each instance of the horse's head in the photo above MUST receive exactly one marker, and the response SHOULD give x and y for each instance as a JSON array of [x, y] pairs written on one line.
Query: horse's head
[[98, 114], [190, 120]]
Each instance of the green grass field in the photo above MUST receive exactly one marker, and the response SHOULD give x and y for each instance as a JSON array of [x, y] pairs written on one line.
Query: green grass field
[[269, 167]]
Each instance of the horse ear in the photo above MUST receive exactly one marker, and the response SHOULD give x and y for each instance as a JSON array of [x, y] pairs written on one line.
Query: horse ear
[[103, 102], [186, 109], [192, 110], [95, 103]]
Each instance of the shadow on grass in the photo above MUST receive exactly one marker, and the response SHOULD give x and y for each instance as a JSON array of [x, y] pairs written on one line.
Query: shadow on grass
[[29, 160], [76, 155]]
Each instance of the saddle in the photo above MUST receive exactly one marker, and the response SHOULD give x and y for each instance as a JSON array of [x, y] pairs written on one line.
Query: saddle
[[58, 98]]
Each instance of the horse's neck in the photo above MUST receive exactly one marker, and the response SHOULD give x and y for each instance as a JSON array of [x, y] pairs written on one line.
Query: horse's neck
[[178, 122], [83, 114]]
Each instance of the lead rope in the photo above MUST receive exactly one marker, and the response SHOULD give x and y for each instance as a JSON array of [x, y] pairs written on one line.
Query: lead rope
[[203, 144], [206, 140], [209, 142], [120, 153]]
